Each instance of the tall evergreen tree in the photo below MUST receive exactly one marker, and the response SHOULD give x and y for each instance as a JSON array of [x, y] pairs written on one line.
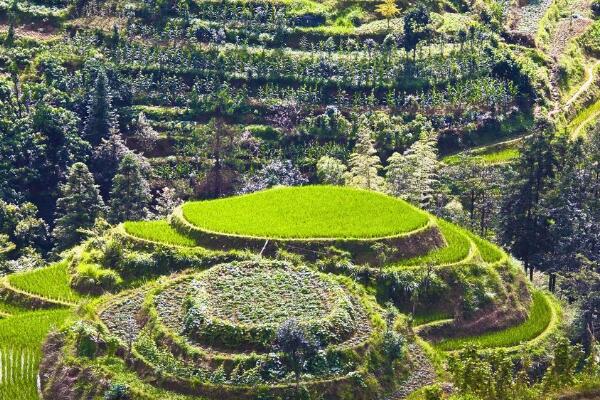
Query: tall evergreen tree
[[413, 175], [145, 135], [78, 206], [166, 202], [525, 223], [364, 163], [100, 116], [130, 195], [106, 159]]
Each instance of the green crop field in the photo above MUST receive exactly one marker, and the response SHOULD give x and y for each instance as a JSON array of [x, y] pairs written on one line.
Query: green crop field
[[489, 252], [307, 212], [21, 339], [457, 249], [540, 316], [51, 282], [157, 231]]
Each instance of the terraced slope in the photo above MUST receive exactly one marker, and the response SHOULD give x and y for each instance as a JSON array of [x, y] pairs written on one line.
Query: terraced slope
[[25, 325], [211, 329]]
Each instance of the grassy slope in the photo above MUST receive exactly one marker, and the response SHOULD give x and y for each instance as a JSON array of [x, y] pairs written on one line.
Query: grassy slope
[[157, 231], [50, 282], [539, 318], [307, 212], [490, 253]]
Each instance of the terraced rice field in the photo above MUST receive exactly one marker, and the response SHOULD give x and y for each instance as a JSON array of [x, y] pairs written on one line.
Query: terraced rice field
[[457, 249], [50, 282], [21, 339], [540, 317], [157, 231], [307, 212]]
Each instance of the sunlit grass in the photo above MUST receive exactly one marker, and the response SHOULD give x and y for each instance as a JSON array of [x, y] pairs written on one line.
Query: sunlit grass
[[539, 318], [157, 231], [307, 212], [486, 156], [51, 282], [10, 308], [424, 318], [579, 124]]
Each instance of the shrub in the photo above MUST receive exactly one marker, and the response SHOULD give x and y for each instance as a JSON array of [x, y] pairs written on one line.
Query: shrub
[[85, 340], [433, 393], [93, 279], [117, 391], [596, 8], [393, 345], [113, 254]]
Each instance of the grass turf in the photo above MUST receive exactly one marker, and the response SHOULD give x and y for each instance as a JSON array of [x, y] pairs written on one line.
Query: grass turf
[[540, 316], [157, 231], [307, 212], [50, 282]]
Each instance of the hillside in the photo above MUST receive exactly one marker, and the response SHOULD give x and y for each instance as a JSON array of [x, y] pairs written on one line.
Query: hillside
[[299, 199]]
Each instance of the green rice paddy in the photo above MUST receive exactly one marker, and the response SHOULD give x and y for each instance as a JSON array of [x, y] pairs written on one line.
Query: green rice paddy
[[490, 253], [157, 231], [50, 282], [540, 316], [457, 249], [307, 212], [21, 338]]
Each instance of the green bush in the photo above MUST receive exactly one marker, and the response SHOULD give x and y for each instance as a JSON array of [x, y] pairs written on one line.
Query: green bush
[[93, 279], [596, 8], [117, 391]]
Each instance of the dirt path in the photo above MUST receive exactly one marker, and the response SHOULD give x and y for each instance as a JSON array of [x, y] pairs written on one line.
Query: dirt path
[[589, 70], [568, 28], [421, 375], [34, 31]]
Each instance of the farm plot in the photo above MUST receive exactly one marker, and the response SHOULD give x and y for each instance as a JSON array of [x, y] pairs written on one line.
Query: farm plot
[[157, 231], [50, 282], [307, 212], [540, 317], [458, 247], [21, 338]]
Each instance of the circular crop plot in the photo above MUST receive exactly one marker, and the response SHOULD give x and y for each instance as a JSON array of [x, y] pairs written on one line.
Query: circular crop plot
[[325, 212], [218, 332], [244, 304]]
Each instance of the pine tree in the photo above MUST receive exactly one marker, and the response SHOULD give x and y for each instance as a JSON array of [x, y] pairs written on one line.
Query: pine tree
[[166, 202], [130, 193], [330, 171], [525, 222], [78, 206], [145, 135], [364, 163], [100, 116], [413, 175], [106, 159]]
